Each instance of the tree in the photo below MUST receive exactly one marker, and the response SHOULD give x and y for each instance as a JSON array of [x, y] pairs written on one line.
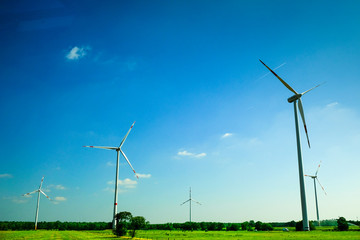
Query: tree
[[342, 224], [258, 225], [137, 223], [299, 226], [122, 222]]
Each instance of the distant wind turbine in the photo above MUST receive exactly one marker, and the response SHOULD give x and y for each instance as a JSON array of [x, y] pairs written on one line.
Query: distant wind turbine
[[316, 201], [297, 98], [38, 200], [190, 200], [117, 149]]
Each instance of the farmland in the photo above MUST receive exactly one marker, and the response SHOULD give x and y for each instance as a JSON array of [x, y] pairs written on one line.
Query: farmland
[[178, 235]]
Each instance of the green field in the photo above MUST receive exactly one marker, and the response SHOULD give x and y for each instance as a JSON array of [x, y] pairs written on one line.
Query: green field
[[178, 235]]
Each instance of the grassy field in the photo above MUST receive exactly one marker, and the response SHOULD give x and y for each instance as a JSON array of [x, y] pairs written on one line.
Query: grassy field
[[179, 235]]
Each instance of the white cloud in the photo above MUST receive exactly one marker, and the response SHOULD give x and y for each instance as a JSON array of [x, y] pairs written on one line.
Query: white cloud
[[332, 104], [143, 175], [186, 153], [60, 199], [200, 155], [6, 175], [77, 53], [16, 199], [110, 164], [126, 183], [226, 135]]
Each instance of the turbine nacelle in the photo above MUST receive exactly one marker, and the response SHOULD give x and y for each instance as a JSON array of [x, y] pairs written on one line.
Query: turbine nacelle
[[294, 98]]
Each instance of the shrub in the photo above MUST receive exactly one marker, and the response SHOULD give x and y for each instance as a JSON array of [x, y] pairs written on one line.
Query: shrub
[[299, 226], [342, 224]]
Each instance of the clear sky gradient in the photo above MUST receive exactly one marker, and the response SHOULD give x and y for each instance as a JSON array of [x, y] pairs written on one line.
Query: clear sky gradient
[[208, 114]]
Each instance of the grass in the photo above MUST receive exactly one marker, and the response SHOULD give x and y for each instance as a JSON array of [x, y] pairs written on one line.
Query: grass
[[180, 235]]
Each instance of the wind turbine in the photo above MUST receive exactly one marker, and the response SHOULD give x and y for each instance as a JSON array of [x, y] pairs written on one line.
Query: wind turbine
[[117, 149], [296, 99], [190, 200], [316, 201], [38, 200]]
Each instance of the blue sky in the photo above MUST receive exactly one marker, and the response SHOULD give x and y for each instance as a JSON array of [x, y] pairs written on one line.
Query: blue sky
[[208, 113]]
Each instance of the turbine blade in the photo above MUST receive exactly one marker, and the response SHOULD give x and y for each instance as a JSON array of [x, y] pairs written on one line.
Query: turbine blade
[[283, 82], [122, 142], [321, 186], [196, 201], [46, 195], [129, 163], [30, 192], [185, 202], [308, 175], [312, 88], [109, 148], [317, 169], [41, 182], [301, 110]]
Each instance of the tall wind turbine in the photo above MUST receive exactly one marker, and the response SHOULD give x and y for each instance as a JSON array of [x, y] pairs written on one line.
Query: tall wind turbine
[[316, 201], [117, 149], [190, 200], [296, 99], [38, 200]]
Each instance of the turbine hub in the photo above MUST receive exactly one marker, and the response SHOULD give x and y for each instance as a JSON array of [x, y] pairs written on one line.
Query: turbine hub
[[294, 98]]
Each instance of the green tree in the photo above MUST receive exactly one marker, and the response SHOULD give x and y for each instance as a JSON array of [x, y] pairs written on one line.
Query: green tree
[[299, 226], [122, 222], [137, 223], [342, 224]]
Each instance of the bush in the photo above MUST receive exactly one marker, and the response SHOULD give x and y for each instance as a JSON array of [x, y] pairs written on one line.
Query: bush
[[342, 224], [299, 226]]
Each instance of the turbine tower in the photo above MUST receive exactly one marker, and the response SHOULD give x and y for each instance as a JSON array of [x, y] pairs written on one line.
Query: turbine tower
[[296, 99], [118, 150], [38, 200], [190, 200], [316, 201]]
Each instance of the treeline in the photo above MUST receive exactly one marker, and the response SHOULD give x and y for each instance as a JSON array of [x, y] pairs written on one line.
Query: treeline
[[213, 226], [56, 225]]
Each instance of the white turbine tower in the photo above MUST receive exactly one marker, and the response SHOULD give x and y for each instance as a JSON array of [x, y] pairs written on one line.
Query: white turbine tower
[[38, 200], [297, 99], [117, 149], [316, 201], [190, 200]]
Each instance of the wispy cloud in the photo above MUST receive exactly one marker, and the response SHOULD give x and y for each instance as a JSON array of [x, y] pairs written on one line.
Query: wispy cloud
[[77, 53], [189, 154], [333, 104], [110, 164], [56, 187], [126, 183], [16, 199], [272, 69], [6, 175], [143, 175], [226, 135], [60, 199]]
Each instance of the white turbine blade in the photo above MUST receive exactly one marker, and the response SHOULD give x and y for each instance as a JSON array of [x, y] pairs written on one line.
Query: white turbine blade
[[129, 163], [317, 169], [122, 142], [185, 202], [308, 176], [109, 148], [283, 82], [46, 195], [321, 186], [311, 89], [30, 193], [196, 201], [41, 182], [301, 110]]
